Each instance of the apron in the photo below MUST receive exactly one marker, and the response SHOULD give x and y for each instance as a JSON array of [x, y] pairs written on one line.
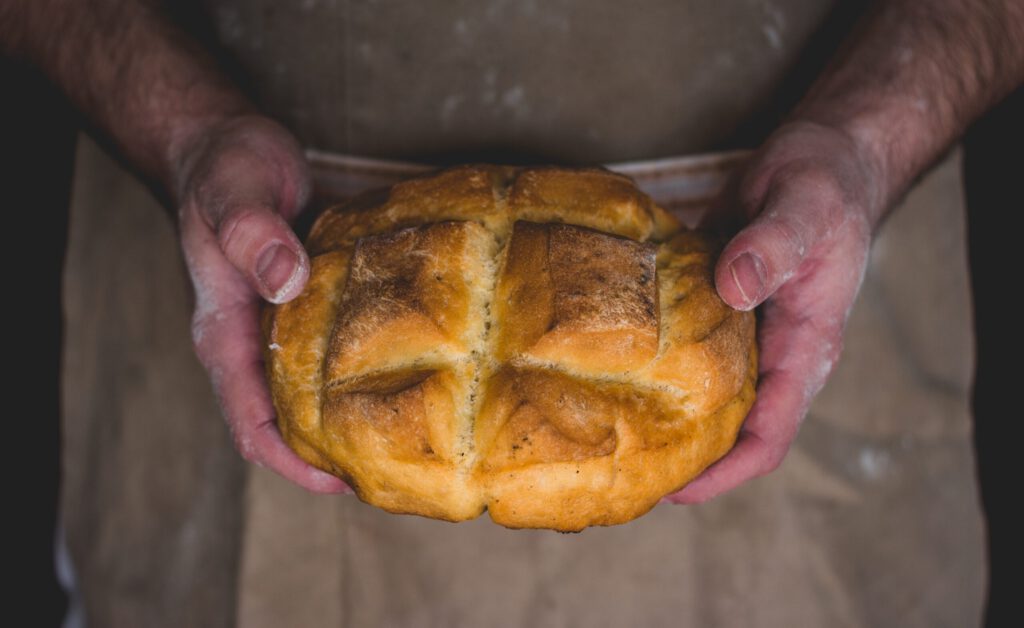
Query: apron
[[535, 81], [872, 520]]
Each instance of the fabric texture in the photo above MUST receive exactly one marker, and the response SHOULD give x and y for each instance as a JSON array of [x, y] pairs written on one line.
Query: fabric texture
[[560, 81]]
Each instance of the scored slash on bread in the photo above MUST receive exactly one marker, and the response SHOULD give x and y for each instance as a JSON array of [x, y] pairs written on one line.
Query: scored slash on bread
[[545, 343]]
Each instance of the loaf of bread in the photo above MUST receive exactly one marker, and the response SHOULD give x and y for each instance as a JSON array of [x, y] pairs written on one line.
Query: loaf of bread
[[545, 344]]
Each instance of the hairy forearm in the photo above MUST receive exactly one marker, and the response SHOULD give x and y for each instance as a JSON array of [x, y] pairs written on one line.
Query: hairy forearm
[[144, 85], [913, 76]]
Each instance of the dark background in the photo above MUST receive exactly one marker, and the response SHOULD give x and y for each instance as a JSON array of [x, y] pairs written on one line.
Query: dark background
[[38, 132]]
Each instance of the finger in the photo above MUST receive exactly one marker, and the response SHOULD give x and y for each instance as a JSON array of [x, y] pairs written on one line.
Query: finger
[[798, 214], [234, 340], [226, 334], [762, 443], [247, 184], [260, 244]]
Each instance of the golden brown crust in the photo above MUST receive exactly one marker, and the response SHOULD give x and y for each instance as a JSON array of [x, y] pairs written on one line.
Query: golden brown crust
[[544, 343], [408, 297]]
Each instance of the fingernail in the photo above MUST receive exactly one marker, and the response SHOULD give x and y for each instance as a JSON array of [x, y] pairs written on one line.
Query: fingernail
[[276, 269], [749, 274]]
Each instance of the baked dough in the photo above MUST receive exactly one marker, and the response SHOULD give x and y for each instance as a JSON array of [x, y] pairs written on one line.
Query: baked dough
[[543, 343]]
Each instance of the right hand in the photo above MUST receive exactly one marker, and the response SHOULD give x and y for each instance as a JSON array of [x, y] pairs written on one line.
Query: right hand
[[240, 185]]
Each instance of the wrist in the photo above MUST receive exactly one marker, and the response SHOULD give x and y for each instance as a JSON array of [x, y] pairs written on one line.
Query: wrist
[[911, 79], [147, 89], [890, 143]]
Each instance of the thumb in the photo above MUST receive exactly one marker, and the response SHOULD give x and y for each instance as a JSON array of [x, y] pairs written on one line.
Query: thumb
[[244, 178], [798, 213], [260, 244]]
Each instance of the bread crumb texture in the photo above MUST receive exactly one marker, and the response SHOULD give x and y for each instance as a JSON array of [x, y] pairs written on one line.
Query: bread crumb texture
[[545, 344]]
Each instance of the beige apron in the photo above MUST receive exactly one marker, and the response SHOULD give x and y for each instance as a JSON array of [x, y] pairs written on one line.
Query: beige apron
[[873, 519]]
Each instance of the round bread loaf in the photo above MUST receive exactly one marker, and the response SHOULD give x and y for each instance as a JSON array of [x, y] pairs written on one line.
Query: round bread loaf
[[543, 343]]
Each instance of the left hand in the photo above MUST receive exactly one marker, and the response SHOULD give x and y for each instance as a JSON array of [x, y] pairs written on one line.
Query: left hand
[[808, 196]]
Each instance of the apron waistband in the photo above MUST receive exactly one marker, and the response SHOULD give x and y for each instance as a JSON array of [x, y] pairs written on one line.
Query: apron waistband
[[683, 185]]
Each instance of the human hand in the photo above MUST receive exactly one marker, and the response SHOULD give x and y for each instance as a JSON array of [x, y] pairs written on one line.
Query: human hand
[[240, 184], [809, 198]]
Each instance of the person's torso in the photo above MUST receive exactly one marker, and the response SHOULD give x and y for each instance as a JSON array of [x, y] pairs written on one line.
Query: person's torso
[[560, 80]]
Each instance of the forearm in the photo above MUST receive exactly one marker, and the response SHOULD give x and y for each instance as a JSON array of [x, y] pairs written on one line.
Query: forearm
[[912, 77], [144, 85]]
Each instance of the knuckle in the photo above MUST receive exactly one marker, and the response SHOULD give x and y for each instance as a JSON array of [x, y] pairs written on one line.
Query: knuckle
[[234, 227], [820, 184], [771, 463], [820, 180], [772, 458], [789, 237]]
